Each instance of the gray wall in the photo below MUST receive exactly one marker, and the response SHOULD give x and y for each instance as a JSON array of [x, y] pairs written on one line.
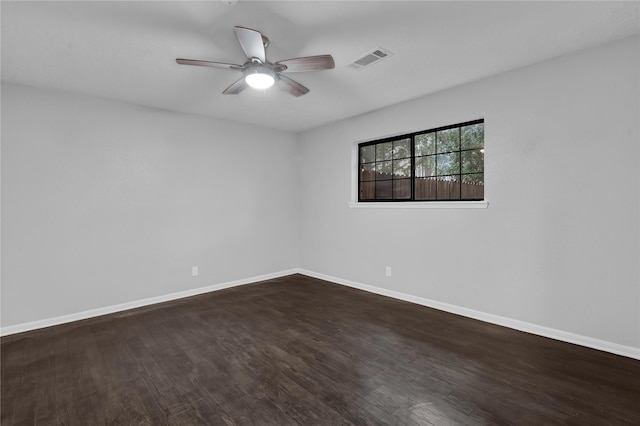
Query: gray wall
[[558, 245], [105, 203]]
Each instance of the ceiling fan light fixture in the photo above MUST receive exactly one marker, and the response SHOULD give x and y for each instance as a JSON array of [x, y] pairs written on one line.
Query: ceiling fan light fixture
[[260, 78]]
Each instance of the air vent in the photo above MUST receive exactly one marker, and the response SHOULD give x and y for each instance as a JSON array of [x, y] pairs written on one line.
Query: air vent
[[370, 57]]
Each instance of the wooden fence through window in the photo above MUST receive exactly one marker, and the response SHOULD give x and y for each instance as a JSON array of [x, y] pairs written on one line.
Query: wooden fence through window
[[385, 186]]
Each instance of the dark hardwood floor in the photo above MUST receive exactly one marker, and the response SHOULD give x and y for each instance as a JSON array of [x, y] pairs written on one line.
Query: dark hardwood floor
[[300, 351]]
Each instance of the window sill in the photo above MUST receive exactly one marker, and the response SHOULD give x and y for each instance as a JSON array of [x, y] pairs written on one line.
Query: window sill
[[421, 205]]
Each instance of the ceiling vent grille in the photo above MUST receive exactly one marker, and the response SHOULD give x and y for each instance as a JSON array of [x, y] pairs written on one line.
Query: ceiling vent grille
[[369, 58]]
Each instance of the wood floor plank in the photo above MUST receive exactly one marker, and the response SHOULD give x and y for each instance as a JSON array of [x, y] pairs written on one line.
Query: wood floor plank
[[301, 351]]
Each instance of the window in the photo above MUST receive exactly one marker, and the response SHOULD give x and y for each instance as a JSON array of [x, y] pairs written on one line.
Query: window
[[443, 164]]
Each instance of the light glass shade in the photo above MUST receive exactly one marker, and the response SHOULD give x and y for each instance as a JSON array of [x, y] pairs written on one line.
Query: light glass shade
[[259, 80]]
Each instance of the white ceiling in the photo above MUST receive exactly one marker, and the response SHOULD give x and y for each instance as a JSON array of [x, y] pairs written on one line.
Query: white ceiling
[[126, 50]]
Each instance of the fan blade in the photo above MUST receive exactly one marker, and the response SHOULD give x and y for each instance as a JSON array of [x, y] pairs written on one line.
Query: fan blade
[[208, 64], [251, 43], [291, 86], [308, 63], [236, 87]]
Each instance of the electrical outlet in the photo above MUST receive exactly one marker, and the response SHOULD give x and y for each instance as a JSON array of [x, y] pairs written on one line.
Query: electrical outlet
[[194, 271], [387, 271]]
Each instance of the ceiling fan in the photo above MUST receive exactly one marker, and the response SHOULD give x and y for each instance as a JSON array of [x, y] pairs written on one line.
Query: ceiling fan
[[260, 74]]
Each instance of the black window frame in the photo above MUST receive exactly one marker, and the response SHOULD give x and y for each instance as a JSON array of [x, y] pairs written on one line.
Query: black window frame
[[412, 178]]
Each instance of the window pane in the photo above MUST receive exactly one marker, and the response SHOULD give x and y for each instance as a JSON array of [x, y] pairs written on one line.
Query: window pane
[[473, 186], [425, 144], [448, 140], [384, 170], [367, 172], [426, 166], [473, 136], [474, 178], [402, 168], [402, 148], [425, 188], [433, 165], [383, 151], [368, 154], [472, 161], [367, 190], [383, 189], [448, 188], [402, 188], [448, 164]]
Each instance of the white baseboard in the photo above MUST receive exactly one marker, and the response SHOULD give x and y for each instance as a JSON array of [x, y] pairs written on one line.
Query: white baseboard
[[564, 336], [29, 326], [590, 342]]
